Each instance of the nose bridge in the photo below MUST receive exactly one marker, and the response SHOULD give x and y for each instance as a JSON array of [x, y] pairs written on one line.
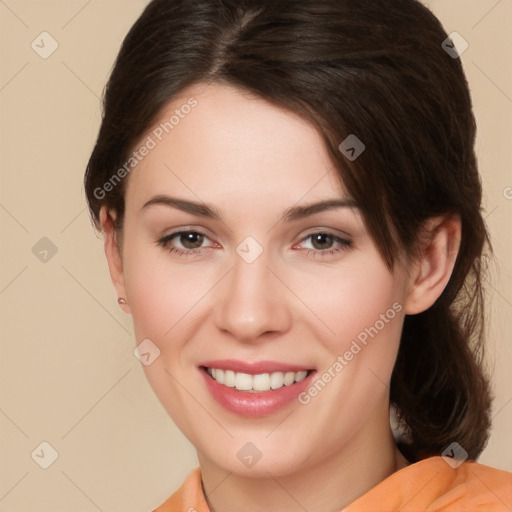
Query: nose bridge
[[252, 300]]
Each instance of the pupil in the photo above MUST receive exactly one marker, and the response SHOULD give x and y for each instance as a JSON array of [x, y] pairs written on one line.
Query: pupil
[[322, 238], [192, 240]]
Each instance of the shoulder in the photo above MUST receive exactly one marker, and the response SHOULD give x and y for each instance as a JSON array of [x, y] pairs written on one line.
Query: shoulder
[[436, 484], [472, 486], [188, 498]]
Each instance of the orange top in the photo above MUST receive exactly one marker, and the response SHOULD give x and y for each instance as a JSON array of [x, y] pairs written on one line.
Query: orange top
[[428, 485]]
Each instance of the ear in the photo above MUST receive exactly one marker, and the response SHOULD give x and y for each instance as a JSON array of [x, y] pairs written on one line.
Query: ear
[[113, 252], [431, 271]]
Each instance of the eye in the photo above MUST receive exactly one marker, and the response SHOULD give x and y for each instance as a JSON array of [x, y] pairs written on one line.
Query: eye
[[324, 244], [186, 242]]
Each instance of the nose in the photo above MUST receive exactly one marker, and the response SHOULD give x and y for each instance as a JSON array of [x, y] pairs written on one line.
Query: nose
[[252, 301]]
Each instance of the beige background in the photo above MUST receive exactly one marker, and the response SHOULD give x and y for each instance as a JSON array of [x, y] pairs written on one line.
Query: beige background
[[68, 375]]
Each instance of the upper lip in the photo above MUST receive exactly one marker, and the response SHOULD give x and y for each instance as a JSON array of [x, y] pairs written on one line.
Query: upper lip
[[255, 367]]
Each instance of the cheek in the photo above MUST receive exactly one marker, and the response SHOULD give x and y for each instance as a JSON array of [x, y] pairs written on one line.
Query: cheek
[[162, 300], [161, 295], [351, 301]]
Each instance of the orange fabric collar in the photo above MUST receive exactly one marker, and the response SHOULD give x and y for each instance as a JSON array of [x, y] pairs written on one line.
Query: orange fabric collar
[[428, 485]]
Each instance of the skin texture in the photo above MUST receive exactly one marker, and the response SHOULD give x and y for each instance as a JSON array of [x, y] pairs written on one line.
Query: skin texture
[[252, 160]]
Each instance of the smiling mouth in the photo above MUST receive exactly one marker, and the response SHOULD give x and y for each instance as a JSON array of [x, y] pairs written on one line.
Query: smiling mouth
[[257, 383]]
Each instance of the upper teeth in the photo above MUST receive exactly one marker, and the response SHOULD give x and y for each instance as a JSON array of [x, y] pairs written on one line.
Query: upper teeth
[[259, 382]]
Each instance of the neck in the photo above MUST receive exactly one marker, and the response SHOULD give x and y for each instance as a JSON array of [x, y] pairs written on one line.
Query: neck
[[331, 484]]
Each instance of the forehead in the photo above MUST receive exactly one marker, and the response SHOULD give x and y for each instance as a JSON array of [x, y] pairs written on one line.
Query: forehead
[[223, 142]]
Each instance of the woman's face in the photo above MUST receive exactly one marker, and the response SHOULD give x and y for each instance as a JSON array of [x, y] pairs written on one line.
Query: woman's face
[[256, 280]]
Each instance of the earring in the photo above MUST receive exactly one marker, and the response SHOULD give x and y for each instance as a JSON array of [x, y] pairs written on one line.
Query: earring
[[121, 300]]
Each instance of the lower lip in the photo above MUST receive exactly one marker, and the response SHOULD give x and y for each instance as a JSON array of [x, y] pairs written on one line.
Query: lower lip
[[258, 404]]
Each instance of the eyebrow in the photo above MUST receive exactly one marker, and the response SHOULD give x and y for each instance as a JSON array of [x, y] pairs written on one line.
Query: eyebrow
[[291, 214]]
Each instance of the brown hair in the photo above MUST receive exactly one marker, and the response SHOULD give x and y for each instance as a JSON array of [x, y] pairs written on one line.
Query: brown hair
[[373, 68]]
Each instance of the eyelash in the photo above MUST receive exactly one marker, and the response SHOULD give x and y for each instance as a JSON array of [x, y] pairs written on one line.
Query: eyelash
[[165, 243]]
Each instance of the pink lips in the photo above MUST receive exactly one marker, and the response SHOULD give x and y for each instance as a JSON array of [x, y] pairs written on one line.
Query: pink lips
[[245, 403]]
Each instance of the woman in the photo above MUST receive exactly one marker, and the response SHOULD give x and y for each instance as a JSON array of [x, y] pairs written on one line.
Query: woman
[[291, 208]]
